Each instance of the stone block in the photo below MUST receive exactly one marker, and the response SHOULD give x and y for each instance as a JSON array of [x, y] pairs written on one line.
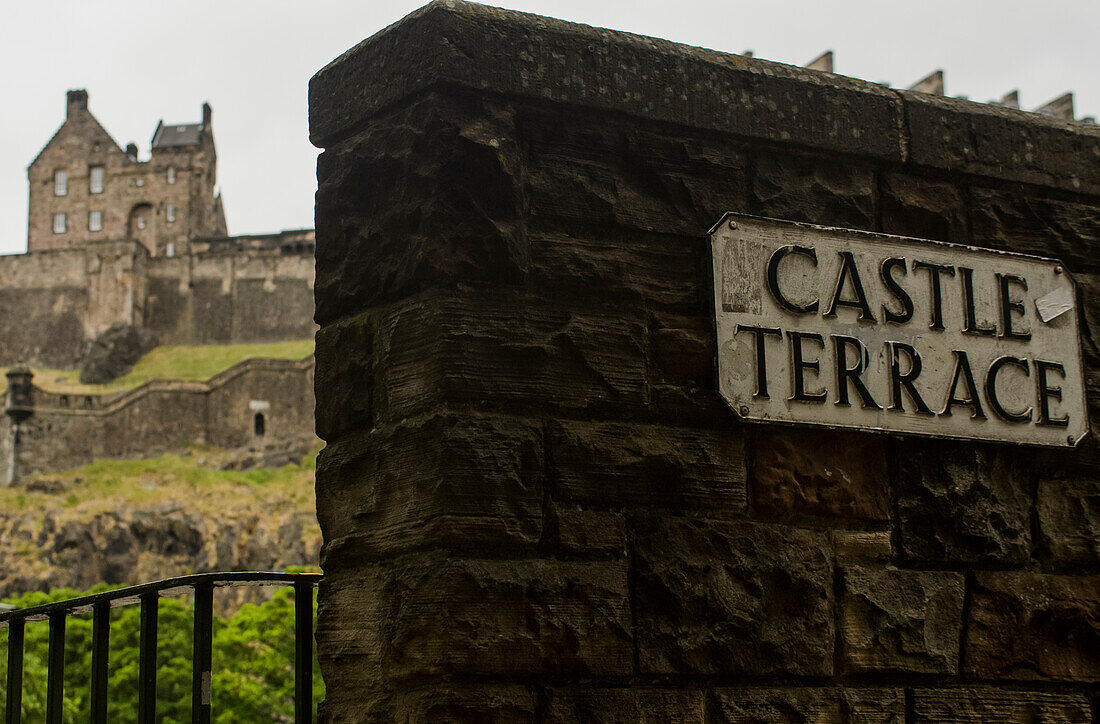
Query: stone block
[[963, 502], [894, 621], [820, 705], [456, 482], [731, 598], [926, 209], [345, 363], [683, 349], [1069, 521], [979, 705], [577, 533], [387, 227], [1036, 627], [1028, 223], [443, 702], [447, 702], [423, 616], [505, 352], [817, 191], [577, 705], [613, 464], [509, 53], [986, 140], [820, 473], [601, 171], [862, 545]]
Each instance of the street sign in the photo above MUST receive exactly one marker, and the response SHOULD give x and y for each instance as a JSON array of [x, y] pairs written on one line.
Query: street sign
[[849, 329]]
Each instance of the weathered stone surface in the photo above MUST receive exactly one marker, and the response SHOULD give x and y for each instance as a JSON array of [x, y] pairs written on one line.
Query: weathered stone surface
[[506, 703], [980, 705], [604, 172], [1032, 224], [1030, 626], [574, 532], [506, 352], [387, 227], [983, 139], [682, 384], [820, 473], [425, 616], [862, 545], [615, 464], [345, 361], [460, 482], [819, 192], [913, 206], [731, 598], [470, 45], [900, 621], [446, 703], [810, 704], [961, 502], [1069, 521], [610, 706], [115, 352]]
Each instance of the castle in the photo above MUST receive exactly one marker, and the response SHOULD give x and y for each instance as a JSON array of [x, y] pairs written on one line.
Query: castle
[[114, 239]]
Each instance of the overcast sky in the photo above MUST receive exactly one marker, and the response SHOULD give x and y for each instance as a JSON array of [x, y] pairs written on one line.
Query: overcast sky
[[251, 60]]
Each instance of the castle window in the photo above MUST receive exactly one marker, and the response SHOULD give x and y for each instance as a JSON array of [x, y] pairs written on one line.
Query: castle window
[[139, 181], [95, 221], [258, 424], [95, 180], [170, 249], [60, 182], [59, 223], [171, 214], [141, 221], [171, 174]]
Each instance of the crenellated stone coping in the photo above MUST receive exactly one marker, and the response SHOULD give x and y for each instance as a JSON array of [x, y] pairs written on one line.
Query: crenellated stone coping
[[111, 403], [464, 44]]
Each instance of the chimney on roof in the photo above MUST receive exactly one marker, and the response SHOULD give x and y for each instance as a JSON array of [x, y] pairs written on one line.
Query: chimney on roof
[[76, 102], [822, 62], [1060, 108], [207, 114], [931, 83]]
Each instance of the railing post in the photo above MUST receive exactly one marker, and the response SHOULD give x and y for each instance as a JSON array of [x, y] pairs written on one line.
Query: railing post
[[13, 711], [101, 641], [55, 668], [303, 652], [202, 655], [147, 660]]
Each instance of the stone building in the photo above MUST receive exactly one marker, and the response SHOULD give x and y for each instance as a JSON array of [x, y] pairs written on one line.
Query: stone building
[[113, 239], [85, 188]]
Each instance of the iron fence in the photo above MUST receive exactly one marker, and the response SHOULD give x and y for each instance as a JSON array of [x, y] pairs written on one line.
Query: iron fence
[[148, 595]]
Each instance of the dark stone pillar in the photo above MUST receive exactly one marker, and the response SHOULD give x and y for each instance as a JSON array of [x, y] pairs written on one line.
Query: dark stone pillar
[[536, 506]]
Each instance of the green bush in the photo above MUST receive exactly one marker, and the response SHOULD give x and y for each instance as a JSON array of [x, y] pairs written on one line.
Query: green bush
[[253, 662]]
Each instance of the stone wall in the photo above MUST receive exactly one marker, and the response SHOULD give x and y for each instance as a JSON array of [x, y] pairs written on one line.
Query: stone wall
[[535, 505], [230, 290], [69, 430]]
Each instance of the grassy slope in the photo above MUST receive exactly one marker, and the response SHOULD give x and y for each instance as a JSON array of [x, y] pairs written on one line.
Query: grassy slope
[[183, 362], [109, 484]]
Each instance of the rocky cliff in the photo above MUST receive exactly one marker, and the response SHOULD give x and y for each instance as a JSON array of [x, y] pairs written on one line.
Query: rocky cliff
[[127, 522]]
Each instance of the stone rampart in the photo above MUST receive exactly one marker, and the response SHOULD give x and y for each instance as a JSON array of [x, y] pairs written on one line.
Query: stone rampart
[[226, 291], [69, 430], [535, 505]]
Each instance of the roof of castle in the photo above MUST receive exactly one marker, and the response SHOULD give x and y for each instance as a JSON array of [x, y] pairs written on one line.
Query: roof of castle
[[187, 134]]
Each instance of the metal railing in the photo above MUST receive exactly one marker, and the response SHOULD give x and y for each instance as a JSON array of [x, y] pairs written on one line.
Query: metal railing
[[202, 585]]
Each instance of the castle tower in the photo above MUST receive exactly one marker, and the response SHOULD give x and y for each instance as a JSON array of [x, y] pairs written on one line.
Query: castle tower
[[84, 188]]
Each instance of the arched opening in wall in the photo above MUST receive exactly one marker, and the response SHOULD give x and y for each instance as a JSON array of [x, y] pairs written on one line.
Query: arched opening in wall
[[139, 225], [258, 424]]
